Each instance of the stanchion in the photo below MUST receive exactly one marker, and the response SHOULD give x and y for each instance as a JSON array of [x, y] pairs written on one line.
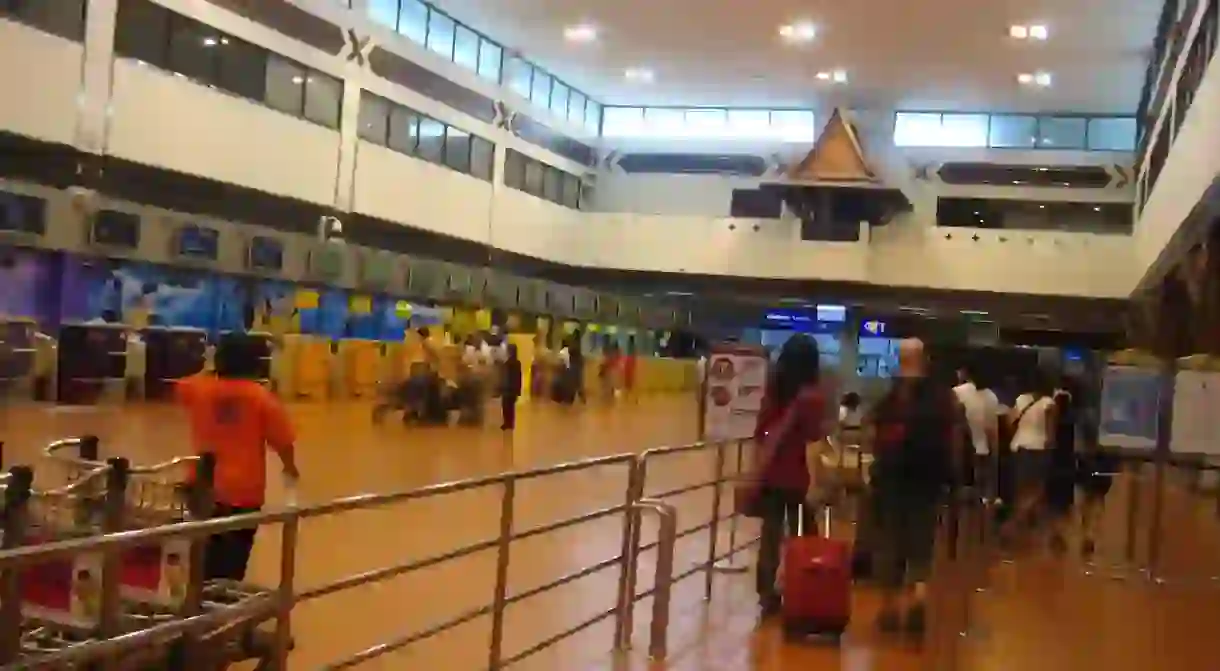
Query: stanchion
[[730, 563]]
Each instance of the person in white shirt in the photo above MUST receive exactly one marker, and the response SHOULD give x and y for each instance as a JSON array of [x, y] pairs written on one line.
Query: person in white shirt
[[982, 411], [1032, 419]]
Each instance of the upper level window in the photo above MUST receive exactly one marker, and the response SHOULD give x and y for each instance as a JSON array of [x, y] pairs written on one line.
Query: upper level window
[[153, 34], [65, 18], [408, 132], [710, 123], [525, 173], [1013, 131], [442, 34]]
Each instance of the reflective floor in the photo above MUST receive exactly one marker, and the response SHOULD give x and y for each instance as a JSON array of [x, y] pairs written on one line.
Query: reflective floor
[[1038, 612]]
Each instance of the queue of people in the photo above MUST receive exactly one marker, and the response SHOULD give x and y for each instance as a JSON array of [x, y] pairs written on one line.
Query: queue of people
[[925, 438]]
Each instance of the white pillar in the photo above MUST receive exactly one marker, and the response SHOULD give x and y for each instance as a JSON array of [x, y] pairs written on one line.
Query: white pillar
[[93, 103]]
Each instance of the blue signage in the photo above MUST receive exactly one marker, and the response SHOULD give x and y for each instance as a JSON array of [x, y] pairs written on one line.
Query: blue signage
[[873, 328]]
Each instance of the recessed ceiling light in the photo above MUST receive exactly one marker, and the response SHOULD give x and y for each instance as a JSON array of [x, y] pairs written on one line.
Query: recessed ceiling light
[[1043, 79], [580, 33], [642, 75], [1028, 32], [802, 31], [1025, 78], [836, 76], [824, 76]]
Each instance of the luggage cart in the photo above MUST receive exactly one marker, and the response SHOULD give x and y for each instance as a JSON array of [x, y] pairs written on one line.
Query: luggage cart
[[144, 586]]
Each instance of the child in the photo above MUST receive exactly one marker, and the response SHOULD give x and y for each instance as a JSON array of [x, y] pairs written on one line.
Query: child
[[511, 390], [236, 418]]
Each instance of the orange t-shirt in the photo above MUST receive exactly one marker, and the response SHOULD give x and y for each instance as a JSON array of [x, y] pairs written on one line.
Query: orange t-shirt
[[236, 420]]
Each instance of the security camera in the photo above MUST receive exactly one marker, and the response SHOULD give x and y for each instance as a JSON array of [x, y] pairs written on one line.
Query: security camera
[[330, 229], [83, 200]]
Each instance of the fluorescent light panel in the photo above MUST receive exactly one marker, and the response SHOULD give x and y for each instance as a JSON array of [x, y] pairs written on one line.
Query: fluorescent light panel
[[1036, 32], [836, 76], [642, 75], [801, 31], [580, 33]]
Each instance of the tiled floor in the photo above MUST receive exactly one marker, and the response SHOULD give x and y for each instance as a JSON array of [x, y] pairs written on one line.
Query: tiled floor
[[1038, 613]]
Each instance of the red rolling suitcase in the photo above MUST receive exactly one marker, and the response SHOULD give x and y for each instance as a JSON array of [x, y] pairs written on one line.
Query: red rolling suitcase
[[816, 585]]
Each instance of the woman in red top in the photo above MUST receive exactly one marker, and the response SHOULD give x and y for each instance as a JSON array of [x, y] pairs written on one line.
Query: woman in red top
[[792, 415]]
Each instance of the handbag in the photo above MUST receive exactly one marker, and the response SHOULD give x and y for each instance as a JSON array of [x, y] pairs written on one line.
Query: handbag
[[747, 493]]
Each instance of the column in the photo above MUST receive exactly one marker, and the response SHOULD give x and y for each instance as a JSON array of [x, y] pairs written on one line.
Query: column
[[345, 175], [93, 115]]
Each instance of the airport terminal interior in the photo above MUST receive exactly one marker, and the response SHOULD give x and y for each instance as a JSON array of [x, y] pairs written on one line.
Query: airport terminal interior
[[526, 279]]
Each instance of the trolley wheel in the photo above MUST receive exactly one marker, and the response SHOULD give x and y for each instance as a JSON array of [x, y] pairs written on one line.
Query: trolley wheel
[[807, 630]]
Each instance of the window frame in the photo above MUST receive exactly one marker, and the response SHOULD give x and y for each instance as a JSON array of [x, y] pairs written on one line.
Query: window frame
[[1038, 119]]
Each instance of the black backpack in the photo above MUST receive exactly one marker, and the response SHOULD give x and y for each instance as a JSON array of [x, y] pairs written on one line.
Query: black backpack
[[928, 416]]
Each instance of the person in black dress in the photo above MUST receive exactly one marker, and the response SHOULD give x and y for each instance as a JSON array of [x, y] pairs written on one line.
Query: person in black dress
[[511, 390], [1061, 475]]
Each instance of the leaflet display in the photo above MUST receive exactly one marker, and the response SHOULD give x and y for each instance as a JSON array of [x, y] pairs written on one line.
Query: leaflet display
[[736, 378], [1129, 401], [1196, 397]]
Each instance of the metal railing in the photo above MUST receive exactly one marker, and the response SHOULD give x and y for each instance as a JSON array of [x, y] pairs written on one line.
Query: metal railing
[[965, 551], [279, 601]]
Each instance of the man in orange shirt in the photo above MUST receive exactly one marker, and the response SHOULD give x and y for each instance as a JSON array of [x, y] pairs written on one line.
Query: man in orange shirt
[[236, 418]]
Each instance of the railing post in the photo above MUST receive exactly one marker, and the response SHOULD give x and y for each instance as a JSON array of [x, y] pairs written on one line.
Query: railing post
[[286, 597], [667, 538], [115, 505], [88, 448], [729, 565], [624, 621], [714, 528], [202, 506], [15, 518], [1134, 493], [500, 599]]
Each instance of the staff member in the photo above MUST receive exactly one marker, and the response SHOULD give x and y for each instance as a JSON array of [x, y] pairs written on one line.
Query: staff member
[[236, 418]]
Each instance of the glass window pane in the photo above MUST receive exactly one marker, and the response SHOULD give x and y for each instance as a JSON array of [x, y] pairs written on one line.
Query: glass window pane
[[1112, 134], [964, 130], [1012, 131], [140, 32], [540, 92], [192, 49], [374, 118], [440, 34], [65, 18], [552, 185], [749, 123], [533, 176], [431, 140], [457, 149], [571, 191], [384, 12], [559, 99], [466, 48], [404, 129], [243, 68], [323, 99], [517, 74], [793, 125], [593, 117], [1061, 132], [576, 106], [664, 122], [489, 60], [710, 123], [482, 158], [916, 129], [514, 169], [285, 85], [413, 20], [623, 122]]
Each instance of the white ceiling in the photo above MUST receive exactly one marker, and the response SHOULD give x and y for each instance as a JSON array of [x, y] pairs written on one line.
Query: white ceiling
[[934, 54]]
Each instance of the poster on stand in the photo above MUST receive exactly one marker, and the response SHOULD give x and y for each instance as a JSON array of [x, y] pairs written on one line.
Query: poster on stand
[[1129, 400], [735, 380], [1196, 396]]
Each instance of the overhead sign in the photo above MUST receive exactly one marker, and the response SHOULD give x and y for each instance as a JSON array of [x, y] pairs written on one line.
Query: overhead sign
[[873, 328]]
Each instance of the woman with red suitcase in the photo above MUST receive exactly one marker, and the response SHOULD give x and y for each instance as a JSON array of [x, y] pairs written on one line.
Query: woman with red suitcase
[[793, 413]]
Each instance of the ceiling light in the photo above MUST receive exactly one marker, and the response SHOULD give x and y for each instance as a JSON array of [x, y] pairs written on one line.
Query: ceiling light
[[839, 76], [1025, 78], [824, 76], [1028, 32], [580, 33], [1042, 78], [802, 31], [642, 75]]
